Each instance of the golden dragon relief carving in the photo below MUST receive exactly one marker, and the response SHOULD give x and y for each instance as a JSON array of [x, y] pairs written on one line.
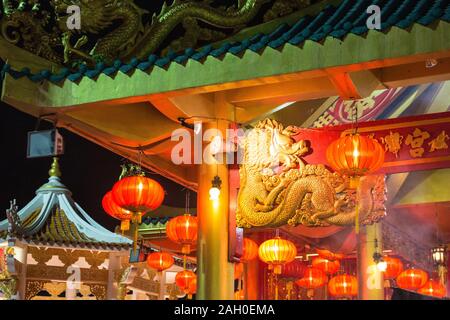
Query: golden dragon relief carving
[[279, 188]]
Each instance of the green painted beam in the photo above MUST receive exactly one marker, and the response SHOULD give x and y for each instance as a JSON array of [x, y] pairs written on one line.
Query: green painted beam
[[427, 187], [375, 46]]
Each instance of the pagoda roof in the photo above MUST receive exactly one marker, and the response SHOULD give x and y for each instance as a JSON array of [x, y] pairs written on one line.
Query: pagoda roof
[[328, 19], [53, 218]]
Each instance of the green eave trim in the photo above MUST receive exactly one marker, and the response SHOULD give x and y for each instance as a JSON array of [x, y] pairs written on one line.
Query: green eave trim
[[353, 49]]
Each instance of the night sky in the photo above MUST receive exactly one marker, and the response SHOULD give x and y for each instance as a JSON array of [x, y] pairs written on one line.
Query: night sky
[[88, 170]]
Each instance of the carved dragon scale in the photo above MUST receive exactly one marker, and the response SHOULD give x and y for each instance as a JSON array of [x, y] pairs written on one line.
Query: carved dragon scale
[[118, 29]]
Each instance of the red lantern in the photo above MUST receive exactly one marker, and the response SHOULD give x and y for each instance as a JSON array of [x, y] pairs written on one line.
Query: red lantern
[[327, 266], [412, 279], [250, 251], [327, 254], [277, 252], [138, 194], [117, 212], [343, 286], [160, 261], [355, 155], [434, 289], [193, 287], [184, 280], [294, 269], [183, 230], [394, 267], [313, 278]]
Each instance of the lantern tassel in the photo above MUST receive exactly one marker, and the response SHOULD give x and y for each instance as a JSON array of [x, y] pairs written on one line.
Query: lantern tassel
[[276, 286], [354, 183], [135, 236]]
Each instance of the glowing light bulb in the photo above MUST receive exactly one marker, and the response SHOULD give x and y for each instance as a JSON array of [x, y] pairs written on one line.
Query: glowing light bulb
[[382, 266], [214, 194]]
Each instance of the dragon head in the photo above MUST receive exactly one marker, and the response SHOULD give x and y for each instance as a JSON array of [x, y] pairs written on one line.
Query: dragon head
[[269, 146]]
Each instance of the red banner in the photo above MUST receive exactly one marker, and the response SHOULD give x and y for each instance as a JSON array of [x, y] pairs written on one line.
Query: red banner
[[411, 143]]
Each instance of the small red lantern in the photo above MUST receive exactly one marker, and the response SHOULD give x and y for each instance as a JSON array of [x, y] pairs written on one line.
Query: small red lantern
[[183, 230], [343, 286], [412, 279], [295, 269], [434, 289], [184, 280], [250, 251], [277, 252], [160, 261], [394, 267], [355, 155], [192, 287], [327, 254], [327, 266], [138, 194], [116, 211], [313, 278]]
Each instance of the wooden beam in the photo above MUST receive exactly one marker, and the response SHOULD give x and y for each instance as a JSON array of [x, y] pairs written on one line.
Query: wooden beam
[[184, 175], [355, 85], [415, 73], [305, 89], [195, 106]]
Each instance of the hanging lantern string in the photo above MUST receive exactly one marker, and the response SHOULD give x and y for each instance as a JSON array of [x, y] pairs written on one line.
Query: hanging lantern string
[[140, 155], [188, 198], [355, 118]]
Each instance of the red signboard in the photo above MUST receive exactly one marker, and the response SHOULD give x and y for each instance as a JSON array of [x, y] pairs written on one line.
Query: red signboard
[[411, 143]]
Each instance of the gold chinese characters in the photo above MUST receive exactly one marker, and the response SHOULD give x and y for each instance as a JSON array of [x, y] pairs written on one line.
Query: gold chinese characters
[[416, 141]]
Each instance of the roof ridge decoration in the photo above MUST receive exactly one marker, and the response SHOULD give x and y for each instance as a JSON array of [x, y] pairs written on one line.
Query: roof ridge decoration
[[112, 29], [53, 217], [337, 22]]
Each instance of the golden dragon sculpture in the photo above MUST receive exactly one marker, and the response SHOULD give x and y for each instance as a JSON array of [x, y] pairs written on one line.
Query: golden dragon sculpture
[[120, 29], [278, 188]]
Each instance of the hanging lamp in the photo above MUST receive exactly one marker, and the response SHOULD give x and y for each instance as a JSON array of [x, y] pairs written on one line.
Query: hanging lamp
[[116, 211], [136, 193], [354, 156]]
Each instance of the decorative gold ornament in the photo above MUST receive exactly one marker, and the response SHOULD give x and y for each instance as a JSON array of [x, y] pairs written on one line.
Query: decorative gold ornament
[[33, 287], [393, 143], [416, 141], [8, 285], [439, 143], [278, 188]]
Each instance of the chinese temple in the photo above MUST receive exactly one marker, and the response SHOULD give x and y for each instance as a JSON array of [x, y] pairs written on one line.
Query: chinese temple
[[314, 133], [52, 239]]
